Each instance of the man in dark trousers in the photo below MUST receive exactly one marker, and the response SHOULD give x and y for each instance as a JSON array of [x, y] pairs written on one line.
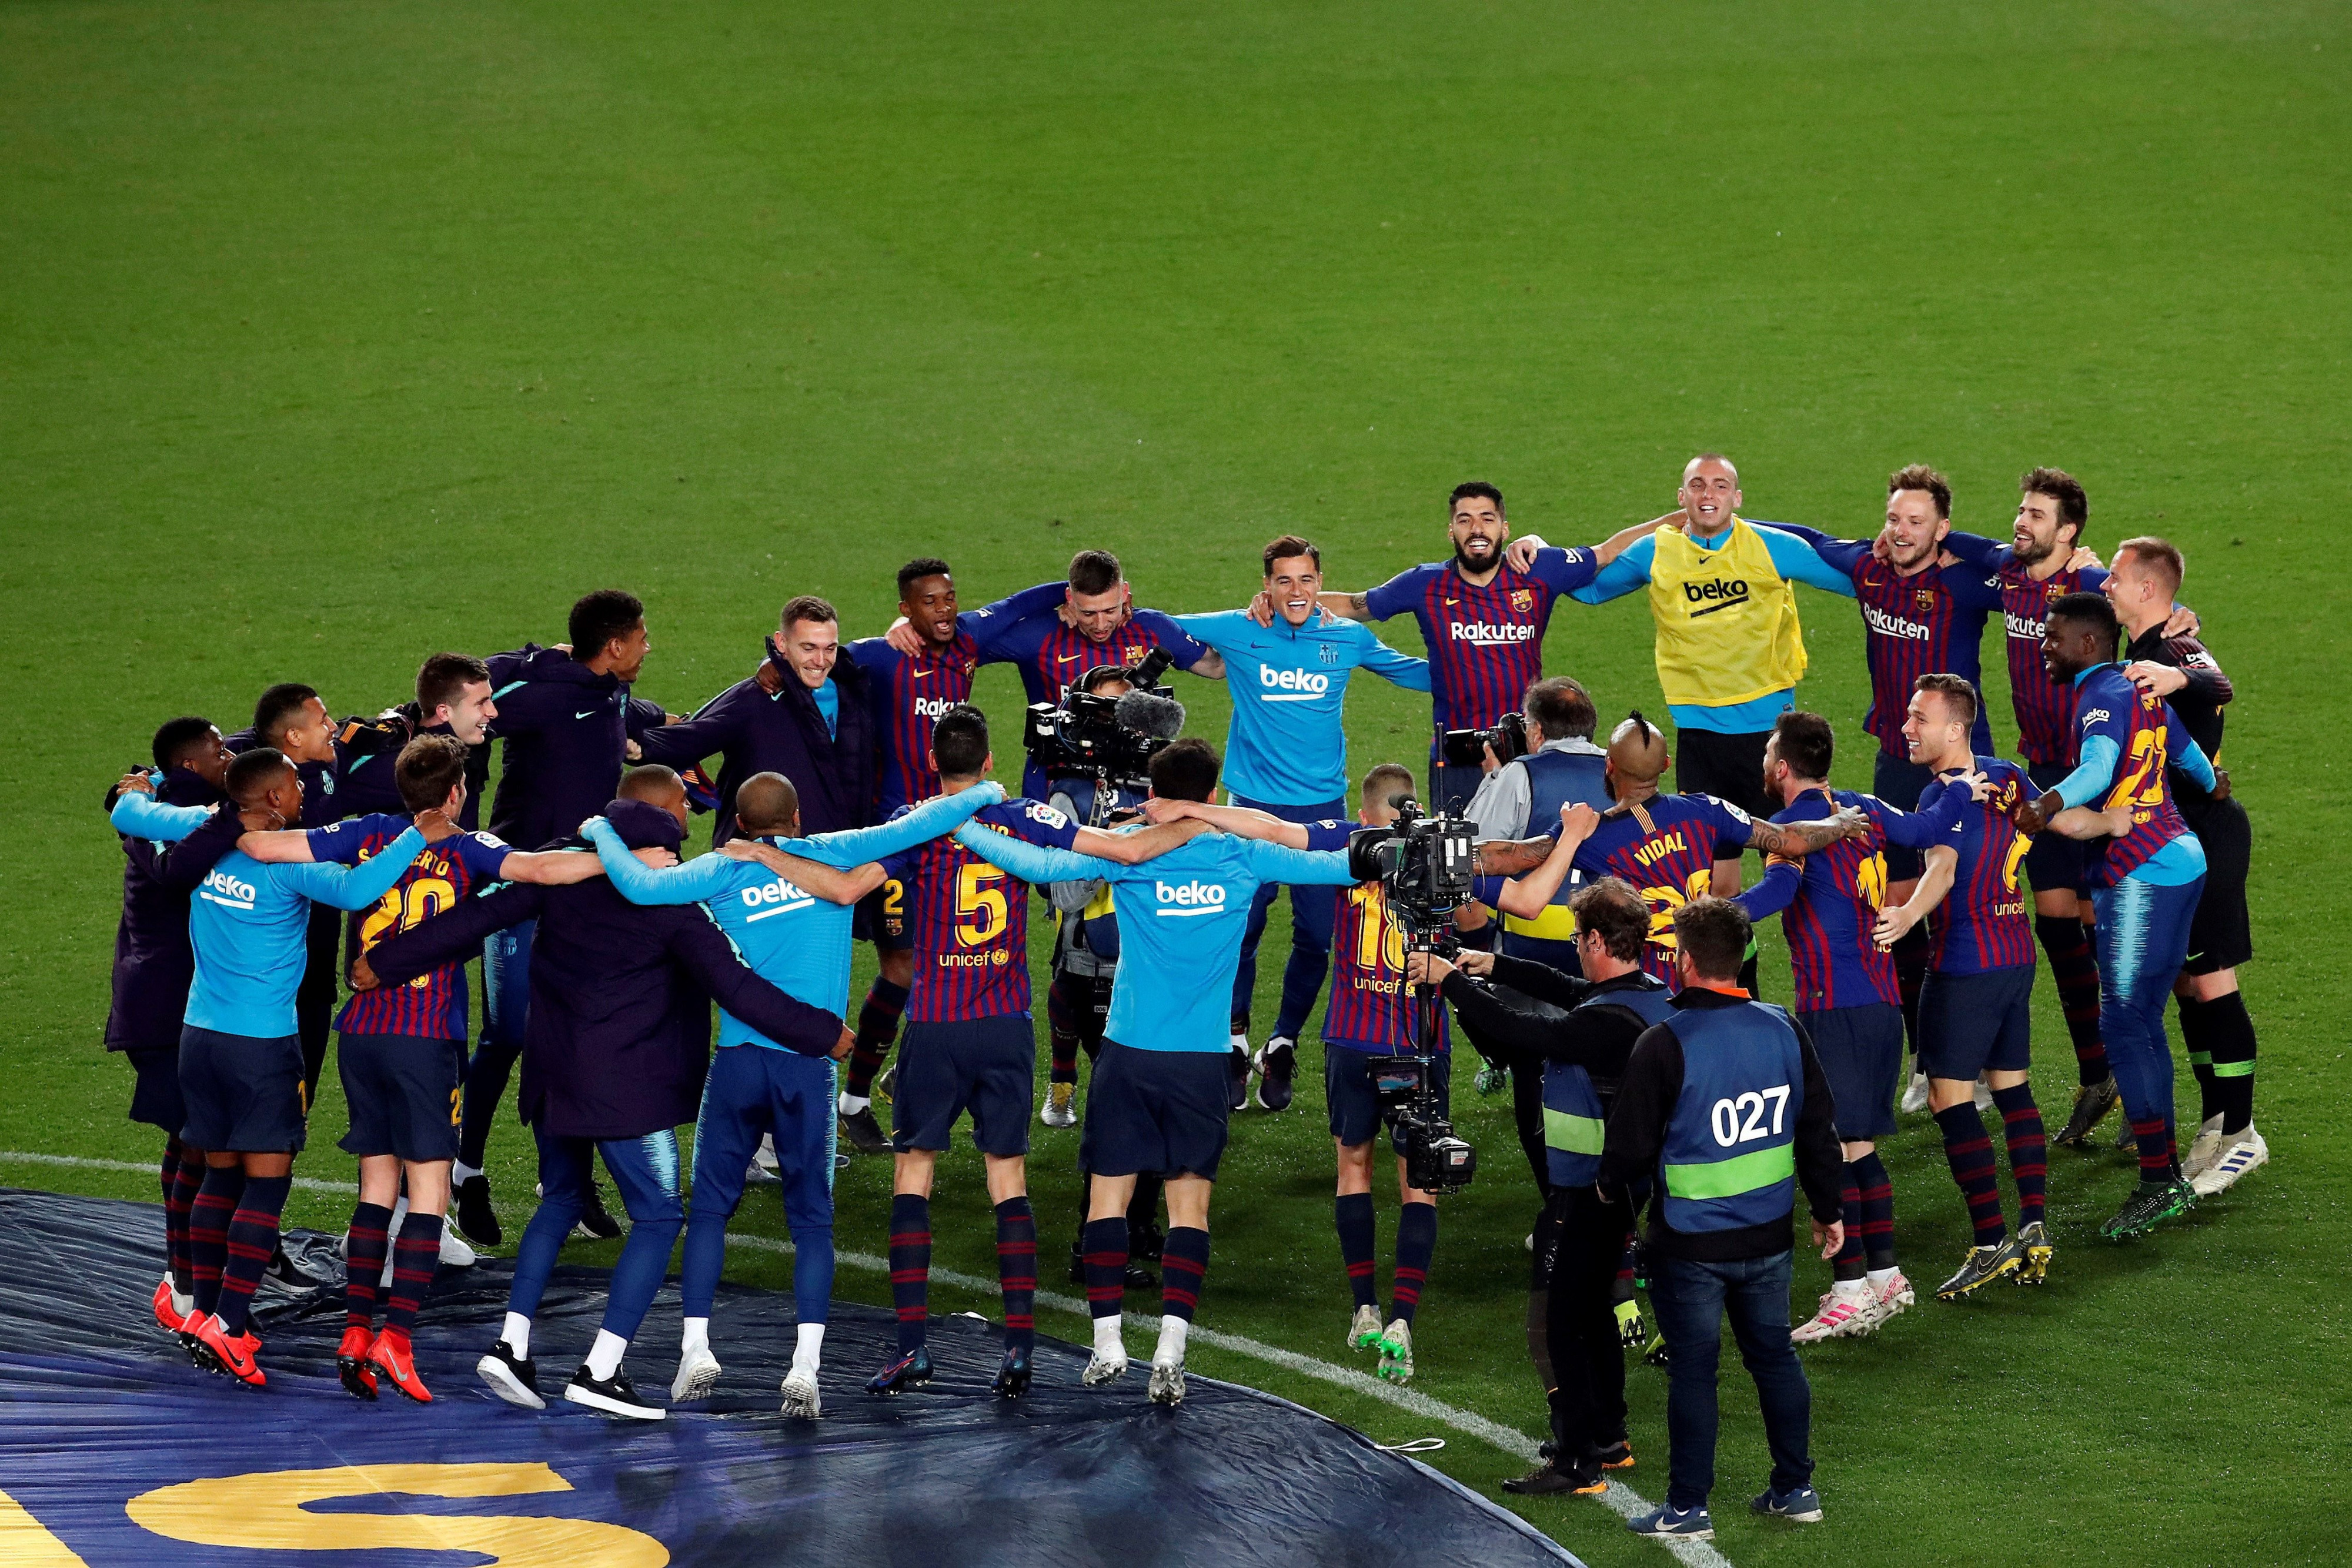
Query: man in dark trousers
[[1584, 1030], [615, 1048], [1723, 1108]]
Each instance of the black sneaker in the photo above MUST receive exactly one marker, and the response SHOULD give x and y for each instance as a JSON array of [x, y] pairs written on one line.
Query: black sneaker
[[1981, 1267], [2092, 1103], [478, 1222], [594, 1224], [1554, 1478], [912, 1370], [513, 1378], [612, 1395], [1238, 1077], [1146, 1241], [1012, 1377], [864, 1133], [1276, 1064]]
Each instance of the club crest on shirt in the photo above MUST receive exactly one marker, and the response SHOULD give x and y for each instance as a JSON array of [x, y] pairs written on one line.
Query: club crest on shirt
[[1927, 599], [1328, 653], [1523, 599]]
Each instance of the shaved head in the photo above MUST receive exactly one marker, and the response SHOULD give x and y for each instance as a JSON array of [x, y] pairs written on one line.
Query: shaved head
[[1637, 752], [767, 803], [255, 774], [657, 786]]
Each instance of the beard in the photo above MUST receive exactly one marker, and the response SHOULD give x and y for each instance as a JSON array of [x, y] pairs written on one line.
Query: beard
[[2032, 553], [1485, 564]]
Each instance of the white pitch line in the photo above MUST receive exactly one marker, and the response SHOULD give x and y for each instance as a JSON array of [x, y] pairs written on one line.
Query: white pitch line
[[1620, 1499]]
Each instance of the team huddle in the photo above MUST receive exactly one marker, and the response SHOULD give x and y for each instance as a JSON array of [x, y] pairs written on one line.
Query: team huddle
[[308, 876]]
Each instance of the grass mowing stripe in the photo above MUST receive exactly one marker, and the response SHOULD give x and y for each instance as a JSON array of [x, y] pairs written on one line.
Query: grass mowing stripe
[[309, 1184], [1622, 1498]]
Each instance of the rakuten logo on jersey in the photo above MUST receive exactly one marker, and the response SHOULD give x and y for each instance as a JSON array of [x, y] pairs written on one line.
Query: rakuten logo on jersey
[[1890, 625], [777, 897], [1488, 636], [2028, 628], [1183, 900], [219, 887], [932, 707], [1292, 685]]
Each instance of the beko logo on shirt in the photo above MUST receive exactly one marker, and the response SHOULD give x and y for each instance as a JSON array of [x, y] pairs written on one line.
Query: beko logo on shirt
[[1488, 636], [1890, 625], [777, 897], [222, 888], [1717, 593], [1190, 898], [1292, 685], [2096, 716]]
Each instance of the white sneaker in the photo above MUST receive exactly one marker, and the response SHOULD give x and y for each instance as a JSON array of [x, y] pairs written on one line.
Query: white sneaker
[[1915, 1094], [2204, 1150], [1396, 1353], [1059, 1110], [455, 1253], [1983, 1096], [801, 1398], [1167, 1381], [1891, 1299], [698, 1374], [2244, 1153], [1839, 1315], [1102, 1369], [764, 1156], [1364, 1329]]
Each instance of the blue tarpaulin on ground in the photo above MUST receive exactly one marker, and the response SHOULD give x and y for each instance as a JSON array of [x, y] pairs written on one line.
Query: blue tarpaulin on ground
[[114, 1450]]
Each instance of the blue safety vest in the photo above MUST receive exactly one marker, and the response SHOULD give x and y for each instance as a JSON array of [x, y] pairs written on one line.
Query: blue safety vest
[[1554, 779], [1573, 1115], [1729, 1158]]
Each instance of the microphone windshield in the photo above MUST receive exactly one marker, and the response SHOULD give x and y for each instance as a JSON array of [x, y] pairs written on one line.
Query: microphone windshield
[[1146, 713]]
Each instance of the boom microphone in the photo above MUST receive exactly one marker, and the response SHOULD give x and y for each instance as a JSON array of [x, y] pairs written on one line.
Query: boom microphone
[[1148, 713]]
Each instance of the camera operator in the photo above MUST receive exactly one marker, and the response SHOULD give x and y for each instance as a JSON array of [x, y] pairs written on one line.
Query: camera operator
[[1085, 957], [1532, 787], [1582, 1030]]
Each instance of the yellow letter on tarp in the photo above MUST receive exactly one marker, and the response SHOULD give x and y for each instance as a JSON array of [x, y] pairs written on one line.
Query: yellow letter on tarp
[[25, 1541], [264, 1511]]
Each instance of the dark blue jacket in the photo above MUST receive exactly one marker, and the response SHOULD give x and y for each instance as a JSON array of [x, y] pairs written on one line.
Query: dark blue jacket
[[365, 752], [754, 731], [567, 730], [153, 964], [618, 1033]]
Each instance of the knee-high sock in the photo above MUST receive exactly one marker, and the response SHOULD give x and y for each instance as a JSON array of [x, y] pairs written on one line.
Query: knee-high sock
[[252, 1240], [414, 1258], [1103, 1244], [2197, 1040], [910, 1267], [877, 1025], [1352, 1213], [2075, 969], [187, 1168], [1416, 1244], [369, 1244], [1876, 1192], [2230, 1033], [812, 1272], [2028, 1150], [1848, 1264], [1183, 1265], [1016, 1270], [1970, 1151], [1911, 955], [1064, 1023], [208, 1222]]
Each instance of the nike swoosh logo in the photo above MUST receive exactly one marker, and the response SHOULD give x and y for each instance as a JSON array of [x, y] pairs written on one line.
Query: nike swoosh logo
[[592, 712], [1067, 658]]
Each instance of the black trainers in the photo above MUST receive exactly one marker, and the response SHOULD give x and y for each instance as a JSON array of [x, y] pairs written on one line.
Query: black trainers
[[1981, 1267], [595, 1223], [1012, 1377], [2092, 1103], [1146, 1241], [1556, 1478], [478, 1222], [1238, 1077], [912, 1370], [612, 1395], [864, 1133], [513, 1378], [1276, 1064]]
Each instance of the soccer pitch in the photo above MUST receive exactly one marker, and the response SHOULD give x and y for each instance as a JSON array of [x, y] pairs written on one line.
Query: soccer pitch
[[336, 334]]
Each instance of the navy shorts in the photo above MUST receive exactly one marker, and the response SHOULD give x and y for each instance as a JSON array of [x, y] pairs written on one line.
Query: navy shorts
[[987, 1066], [2054, 863], [1861, 1053], [1347, 1091], [1161, 1112], [2220, 936], [155, 1097], [1897, 780], [404, 1092], [1977, 1023], [244, 1093], [882, 918]]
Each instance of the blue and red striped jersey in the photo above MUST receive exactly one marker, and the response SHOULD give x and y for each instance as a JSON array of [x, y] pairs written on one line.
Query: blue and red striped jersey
[[2045, 709], [1828, 921], [1371, 1007], [969, 921], [1985, 922], [442, 876], [1665, 847], [1051, 655], [2148, 734], [908, 698], [1485, 643]]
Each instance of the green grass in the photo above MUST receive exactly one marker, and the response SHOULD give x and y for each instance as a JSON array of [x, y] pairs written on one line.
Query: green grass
[[337, 333]]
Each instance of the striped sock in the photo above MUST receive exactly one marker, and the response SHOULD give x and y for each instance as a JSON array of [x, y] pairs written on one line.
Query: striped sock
[[878, 1026], [208, 1222], [1352, 1213], [1016, 1270], [252, 1240], [1878, 1196], [1183, 1264], [2028, 1150], [363, 1264], [179, 1202], [1416, 1241], [910, 1267], [414, 1258], [1970, 1150], [2076, 971], [1848, 1264], [2158, 1160], [2232, 1033], [1103, 1245]]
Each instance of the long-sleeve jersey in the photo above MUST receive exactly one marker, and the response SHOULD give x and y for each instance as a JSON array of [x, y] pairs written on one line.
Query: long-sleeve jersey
[[1181, 916], [1484, 640], [152, 961], [1830, 904], [1983, 922], [431, 1006], [1664, 848], [247, 924], [2197, 705], [1287, 745], [2044, 708], [2126, 742], [830, 761], [790, 937], [969, 921], [1931, 622]]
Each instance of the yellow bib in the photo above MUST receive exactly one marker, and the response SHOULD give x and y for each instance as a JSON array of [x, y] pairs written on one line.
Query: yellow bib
[[1728, 628]]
